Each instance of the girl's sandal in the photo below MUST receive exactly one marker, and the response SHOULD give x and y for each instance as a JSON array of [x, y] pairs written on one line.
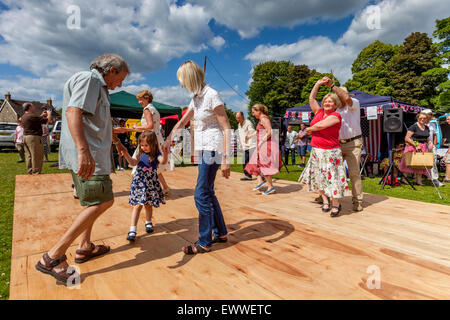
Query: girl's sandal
[[328, 208], [131, 236], [199, 249]]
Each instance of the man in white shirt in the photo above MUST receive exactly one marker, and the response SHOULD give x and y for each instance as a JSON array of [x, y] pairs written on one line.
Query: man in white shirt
[[350, 139], [289, 145], [247, 141]]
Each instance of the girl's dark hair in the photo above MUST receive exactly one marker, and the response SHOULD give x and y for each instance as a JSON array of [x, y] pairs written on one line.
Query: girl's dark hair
[[152, 140]]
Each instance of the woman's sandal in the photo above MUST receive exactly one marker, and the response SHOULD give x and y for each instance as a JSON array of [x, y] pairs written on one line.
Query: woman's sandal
[[89, 254], [190, 249], [219, 239], [326, 204], [131, 236], [49, 266], [335, 213]]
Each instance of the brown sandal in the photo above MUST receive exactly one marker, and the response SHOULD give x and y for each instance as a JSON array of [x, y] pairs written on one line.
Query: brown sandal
[[190, 249], [88, 254], [50, 264]]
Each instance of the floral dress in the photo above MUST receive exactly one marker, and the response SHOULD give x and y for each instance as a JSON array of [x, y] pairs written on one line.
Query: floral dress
[[145, 187]]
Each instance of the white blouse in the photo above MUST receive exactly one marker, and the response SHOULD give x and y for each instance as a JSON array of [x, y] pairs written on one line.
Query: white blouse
[[156, 122], [208, 133]]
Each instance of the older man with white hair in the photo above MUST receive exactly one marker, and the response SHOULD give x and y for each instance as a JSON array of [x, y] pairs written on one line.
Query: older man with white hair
[[85, 149], [350, 139]]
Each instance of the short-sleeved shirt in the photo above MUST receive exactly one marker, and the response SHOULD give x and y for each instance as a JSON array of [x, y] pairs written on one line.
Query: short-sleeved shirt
[[244, 130], [87, 91], [302, 141], [208, 133], [419, 135], [144, 162], [19, 134], [32, 124], [351, 120], [290, 136], [327, 138]]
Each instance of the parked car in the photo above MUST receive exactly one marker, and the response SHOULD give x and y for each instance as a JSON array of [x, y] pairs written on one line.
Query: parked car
[[7, 131], [55, 134]]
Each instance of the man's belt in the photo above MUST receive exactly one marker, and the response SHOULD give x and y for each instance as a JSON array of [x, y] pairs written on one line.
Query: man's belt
[[351, 139]]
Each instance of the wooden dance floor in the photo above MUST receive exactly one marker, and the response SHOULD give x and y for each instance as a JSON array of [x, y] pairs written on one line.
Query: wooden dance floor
[[281, 246]]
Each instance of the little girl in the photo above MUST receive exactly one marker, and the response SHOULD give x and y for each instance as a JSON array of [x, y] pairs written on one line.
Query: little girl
[[145, 188]]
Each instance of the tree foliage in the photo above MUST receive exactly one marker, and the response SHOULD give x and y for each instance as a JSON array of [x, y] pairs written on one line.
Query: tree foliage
[[323, 89], [441, 100], [269, 85], [408, 71], [370, 70], [298, 78]]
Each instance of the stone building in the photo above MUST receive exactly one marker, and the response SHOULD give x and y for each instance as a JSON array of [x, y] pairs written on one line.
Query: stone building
[[11, 110]]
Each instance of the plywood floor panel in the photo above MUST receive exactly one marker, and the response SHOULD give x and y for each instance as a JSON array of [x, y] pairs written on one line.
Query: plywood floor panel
[[280, 246]]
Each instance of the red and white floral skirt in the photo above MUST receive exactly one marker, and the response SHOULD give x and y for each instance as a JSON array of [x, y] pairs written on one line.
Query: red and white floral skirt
[[325, 171]]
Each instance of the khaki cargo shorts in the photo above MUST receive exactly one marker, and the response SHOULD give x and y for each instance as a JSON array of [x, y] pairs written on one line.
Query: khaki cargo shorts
[[93, 191]]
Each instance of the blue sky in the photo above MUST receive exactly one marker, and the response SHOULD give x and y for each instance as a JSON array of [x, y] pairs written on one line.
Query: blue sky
[[39, 50]]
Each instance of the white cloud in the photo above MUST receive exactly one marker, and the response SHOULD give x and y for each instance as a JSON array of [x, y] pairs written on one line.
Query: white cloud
[[147, 34], [217, 43], [318, 53], [397, 19], [248, 17]]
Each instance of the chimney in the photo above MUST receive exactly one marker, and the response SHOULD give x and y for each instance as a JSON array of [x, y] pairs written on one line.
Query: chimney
[[49, 103], [8, 96]]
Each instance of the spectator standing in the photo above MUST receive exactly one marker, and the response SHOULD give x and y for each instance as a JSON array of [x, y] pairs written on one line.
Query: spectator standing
[[247, 141], [302, 144], [289, 145], [32, 137], [18, 141]]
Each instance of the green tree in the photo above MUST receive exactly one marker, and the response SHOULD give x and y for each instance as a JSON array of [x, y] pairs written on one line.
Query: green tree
[[370, 70], [441, 100], [408, 71], [269, 87], [232, 118], [323, 89], [297, 79]]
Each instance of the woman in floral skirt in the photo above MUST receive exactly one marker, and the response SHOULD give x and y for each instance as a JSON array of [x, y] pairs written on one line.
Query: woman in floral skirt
[[325, 171]]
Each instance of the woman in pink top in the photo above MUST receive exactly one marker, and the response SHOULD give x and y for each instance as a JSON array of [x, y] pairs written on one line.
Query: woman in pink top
[[266, 158], [325, 171]]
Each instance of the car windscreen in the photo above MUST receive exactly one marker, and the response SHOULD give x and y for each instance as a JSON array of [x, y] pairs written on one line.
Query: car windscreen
[[58, 126], [5, 126]]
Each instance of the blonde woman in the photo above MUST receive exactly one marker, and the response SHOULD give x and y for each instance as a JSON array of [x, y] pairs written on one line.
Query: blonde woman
[[267, 158], [213, 147], [150, 121], [325, 171]]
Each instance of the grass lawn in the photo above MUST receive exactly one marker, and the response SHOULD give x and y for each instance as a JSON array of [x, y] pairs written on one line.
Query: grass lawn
[[9, 168]]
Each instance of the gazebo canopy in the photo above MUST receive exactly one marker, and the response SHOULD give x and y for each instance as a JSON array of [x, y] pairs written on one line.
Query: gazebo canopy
[[126, 105]]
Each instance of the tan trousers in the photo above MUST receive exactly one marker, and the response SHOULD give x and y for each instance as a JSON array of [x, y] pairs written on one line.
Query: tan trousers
[[34, 153], [351, 152], [20, 148]]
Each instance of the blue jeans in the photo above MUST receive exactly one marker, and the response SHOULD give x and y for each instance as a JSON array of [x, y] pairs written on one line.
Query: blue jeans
[[210, 217]]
